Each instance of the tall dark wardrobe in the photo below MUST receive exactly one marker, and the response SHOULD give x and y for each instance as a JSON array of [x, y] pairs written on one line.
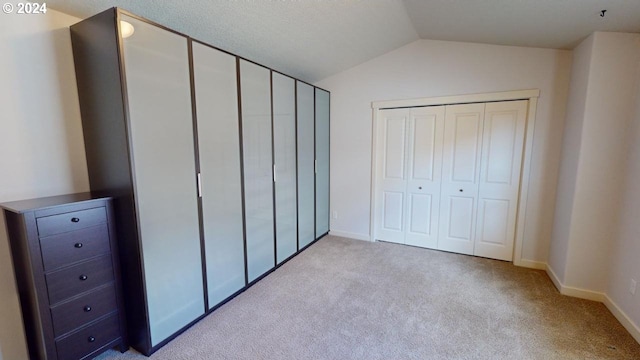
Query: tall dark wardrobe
[[219, 166]]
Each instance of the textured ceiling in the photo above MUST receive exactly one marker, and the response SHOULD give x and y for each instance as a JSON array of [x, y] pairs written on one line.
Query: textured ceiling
[[313, 39], [308, 39], [559, 24]]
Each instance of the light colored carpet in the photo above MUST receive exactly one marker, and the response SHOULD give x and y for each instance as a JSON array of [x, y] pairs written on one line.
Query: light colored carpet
[[350, 299]]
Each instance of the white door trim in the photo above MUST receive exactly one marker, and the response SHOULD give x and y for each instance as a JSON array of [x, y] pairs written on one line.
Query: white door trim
[[458, 99], [531, 95]]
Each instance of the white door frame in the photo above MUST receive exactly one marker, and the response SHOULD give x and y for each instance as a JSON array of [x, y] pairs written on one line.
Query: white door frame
[[530, 95]]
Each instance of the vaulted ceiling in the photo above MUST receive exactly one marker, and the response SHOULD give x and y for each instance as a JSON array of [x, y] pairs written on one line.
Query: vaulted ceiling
[[313, 39]]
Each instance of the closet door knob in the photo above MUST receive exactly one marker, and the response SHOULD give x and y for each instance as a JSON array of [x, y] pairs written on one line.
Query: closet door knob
[[419, 187], [91, 339], [83, 277], [75, 220], [87, 308], [78, 245], [461, 190]]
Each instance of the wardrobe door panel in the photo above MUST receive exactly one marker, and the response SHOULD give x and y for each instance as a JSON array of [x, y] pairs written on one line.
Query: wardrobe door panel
[[215, 81], [322, 162], [284, 143], [255, 85], [306, 157], [162, 149]]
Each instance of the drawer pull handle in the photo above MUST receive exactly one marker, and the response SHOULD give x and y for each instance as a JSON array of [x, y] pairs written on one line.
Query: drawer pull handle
[[75, 220], [83, 277], [78, 245], [91, 339], [87, 308]]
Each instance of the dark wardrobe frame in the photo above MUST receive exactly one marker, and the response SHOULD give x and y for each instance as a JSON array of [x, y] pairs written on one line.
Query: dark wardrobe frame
[[100, 75]]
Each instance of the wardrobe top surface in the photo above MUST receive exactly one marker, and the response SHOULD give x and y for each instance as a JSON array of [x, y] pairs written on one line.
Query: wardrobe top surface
[[22, 206]]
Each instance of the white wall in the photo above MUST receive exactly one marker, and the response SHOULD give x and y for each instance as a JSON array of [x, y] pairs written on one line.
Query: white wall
[[625, 264], [595, 239], [609, 108], [601, 108], [571, 142], [428, 68], [40, 136]]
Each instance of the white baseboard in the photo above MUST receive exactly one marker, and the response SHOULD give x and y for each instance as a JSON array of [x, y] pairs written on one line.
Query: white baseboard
[[583, 293], [554, 278], [628, 324], [350, 235], [617, 312], [574, 291], [531, 264]]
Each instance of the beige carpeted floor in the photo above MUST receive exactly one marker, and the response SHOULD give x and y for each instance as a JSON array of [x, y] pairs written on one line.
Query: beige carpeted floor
[[350, 299]]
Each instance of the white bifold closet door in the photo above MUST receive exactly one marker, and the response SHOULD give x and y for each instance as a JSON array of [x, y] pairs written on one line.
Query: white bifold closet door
[[215, 82], [284, 140], [460, 172], [448, 177], [500, 171], [306, 158], [166, 195], [255, 87], [481, 178], [408, 172]]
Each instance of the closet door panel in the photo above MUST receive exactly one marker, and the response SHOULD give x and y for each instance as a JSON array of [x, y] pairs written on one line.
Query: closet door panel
[[284, 141], [255, 85], [460, 172], [503, 142], [424, 173], [322, 162], [215, 81], [162, 148], [419, 215], [306, 157], [391, 175]]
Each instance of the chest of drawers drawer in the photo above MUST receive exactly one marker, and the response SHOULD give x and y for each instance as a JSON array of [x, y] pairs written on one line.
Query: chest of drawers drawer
[[82, 310], [65, 255], [56, 224], [87, 340], [67, 248], [70, 281]]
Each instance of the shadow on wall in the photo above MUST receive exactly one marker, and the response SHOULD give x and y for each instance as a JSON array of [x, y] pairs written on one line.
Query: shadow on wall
[[70, 108], [48, 147], [12, 341], [546, 168]]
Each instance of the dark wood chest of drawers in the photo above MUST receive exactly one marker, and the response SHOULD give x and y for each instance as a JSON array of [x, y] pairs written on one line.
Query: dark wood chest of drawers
[[67, 271]]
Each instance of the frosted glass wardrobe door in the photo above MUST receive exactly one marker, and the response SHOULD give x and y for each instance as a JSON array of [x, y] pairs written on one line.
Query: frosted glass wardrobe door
[[284, 143], [215, 83], [255, 86], [161, 130], [322, 162], [306, 158]]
